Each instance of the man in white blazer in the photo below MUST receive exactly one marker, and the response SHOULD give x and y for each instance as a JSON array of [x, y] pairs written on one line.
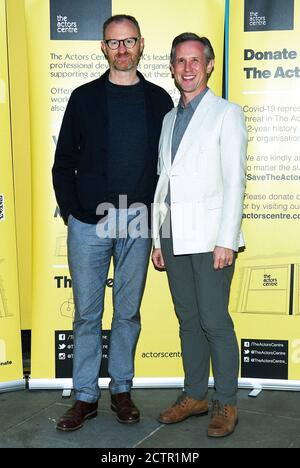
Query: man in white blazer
[[200, 193]]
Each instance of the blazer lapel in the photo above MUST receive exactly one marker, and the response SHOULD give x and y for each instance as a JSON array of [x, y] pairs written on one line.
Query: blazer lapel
[[167, 140], [194, 126]]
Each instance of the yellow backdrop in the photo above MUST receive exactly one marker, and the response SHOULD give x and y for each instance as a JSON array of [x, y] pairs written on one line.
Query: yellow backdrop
[[55, 68], [11, 372], [265, 293]]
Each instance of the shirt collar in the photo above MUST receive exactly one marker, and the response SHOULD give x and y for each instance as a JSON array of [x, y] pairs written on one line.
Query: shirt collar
[[194, 102]]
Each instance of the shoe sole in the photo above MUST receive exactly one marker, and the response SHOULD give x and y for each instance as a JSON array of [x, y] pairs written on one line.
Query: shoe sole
[[225, 435], [121, 421], [204, 413], [92, 415]]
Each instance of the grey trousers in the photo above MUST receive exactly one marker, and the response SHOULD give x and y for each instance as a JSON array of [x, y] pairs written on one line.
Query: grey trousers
[[200, 295]]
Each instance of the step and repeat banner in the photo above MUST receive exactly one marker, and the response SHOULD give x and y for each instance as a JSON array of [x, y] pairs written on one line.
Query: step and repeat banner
[[64, 52], [264, 78], [11, 370], [20, 131], [63, 49]]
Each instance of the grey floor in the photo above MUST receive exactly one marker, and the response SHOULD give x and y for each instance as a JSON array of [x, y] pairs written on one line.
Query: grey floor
[[28, 419]]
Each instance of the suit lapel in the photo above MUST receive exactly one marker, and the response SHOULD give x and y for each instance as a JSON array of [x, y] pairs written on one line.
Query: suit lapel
[[167, 140], [194, 126]]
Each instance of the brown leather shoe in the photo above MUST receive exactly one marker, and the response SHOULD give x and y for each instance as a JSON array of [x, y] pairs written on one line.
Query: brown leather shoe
[[184, 407], [223, 421], [127, 412], [74, 418]]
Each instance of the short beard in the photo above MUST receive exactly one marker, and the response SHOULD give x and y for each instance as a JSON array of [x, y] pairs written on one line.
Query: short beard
[[133, 62]]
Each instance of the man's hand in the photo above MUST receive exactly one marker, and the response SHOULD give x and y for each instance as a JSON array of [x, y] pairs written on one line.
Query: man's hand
[[222, 257], [158, 260]]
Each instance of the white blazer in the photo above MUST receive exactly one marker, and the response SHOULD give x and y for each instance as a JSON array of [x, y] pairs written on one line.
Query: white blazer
[[207, 178]]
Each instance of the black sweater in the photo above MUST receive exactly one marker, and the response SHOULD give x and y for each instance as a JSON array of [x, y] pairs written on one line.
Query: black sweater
[[128, 162], [80, 167]]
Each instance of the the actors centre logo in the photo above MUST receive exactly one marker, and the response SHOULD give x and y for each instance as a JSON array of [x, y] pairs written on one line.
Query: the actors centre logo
[[256, 19], [66, 26], [266, 15], [2, 210]]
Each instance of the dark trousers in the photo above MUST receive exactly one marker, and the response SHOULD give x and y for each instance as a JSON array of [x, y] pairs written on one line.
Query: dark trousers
[[200, 296]]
